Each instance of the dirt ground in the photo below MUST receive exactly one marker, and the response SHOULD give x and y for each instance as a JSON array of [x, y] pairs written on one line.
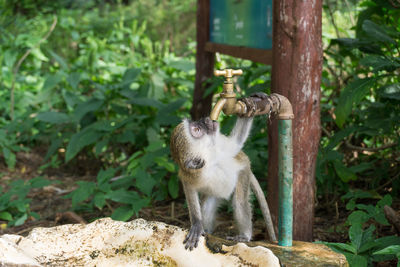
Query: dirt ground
[[54, 209]]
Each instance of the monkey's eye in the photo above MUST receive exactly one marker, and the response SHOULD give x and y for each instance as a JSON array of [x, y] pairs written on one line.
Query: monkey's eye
[[196, 131]]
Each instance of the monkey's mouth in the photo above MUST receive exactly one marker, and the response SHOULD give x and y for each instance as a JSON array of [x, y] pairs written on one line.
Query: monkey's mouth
[[212, 126]]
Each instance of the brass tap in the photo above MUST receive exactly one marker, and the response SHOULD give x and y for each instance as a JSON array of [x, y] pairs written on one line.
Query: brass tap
[[228, 102], [256, 104]]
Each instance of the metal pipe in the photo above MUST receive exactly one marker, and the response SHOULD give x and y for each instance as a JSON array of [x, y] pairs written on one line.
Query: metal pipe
[[285, 161]]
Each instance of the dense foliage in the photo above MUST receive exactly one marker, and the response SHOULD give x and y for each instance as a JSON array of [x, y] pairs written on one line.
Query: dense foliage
[[102, 83], [361, 131]]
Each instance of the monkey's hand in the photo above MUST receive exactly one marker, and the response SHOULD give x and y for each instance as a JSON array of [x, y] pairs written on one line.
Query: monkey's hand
[[261, 95], [192, 239], [195, 163]]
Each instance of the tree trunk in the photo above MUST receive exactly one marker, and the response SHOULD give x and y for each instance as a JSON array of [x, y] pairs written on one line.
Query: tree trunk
[[296, 74], [204, 63]]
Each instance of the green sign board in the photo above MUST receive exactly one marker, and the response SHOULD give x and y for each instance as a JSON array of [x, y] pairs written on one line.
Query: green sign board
[[245, 23]]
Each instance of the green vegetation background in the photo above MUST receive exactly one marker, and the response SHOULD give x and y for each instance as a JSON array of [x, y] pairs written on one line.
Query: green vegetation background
[[104, 82]]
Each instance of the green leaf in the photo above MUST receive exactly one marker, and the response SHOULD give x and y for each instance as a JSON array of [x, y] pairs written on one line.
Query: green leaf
[[5, 215], [123, 182], [55, 144], [363, 166], [359, 237], [130, 75], [79, 141], [164, 162], [122, 213], [391, 91], [39, 182], [357, 261], [340, 247], [376, 32], [105, 175], [395, 250], [127, 136], [101, 146], [339, 136], [139, 204], [73, 79], [21, 205], [10, 57], [10, 158], [83, 192], [53, 117], [173, 186], [182, 64], [35, 215], [388, 241], [343, 172], [379, 63], [21, 220], [147, 102], [123, 196], [52, 81], [152, 135], [165, 115], [385, 201], [83, 108], [36, 52], [357, 217], [99, 200], [157, 86], [351, 95], [59, 59], [355, 235], [144, 182]]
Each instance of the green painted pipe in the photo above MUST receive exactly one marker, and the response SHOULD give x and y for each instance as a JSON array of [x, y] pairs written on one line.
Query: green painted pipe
[[285, 160]]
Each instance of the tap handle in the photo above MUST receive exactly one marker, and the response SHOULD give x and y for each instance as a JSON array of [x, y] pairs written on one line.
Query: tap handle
[[228, 73]]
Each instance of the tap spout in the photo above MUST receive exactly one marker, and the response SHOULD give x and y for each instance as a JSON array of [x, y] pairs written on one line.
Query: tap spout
[[217, 109]]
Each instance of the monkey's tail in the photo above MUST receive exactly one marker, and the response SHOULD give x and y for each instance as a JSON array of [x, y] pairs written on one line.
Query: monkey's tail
[[255, 186]]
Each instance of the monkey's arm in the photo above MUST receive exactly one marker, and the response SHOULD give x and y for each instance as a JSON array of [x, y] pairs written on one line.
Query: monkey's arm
[[196, 228], [241, 131]]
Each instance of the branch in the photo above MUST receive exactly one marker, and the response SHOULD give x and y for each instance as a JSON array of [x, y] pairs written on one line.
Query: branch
[[370, 149], [351, 16], [18, 65], [332, 19], [393, 217], [395, 5]]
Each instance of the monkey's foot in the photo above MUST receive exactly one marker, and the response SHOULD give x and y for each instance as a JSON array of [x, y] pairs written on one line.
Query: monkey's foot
[[239, 238], [192, 239]]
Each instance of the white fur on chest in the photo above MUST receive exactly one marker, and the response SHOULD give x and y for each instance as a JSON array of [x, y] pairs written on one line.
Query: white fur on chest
[[220, 180]]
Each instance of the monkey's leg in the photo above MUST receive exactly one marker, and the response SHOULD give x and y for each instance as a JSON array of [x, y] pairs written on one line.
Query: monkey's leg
[[242, 208], [208, 210]]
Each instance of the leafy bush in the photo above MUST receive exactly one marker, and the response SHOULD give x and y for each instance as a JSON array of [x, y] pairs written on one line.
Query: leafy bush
[[360, 104], [14, 204], [364, 247]]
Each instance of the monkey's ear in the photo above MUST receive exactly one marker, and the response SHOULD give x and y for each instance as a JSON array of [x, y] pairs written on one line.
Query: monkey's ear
[[196, 131], [195, 163]]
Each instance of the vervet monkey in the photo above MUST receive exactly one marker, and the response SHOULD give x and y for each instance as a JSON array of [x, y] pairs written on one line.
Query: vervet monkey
[[215, 166]]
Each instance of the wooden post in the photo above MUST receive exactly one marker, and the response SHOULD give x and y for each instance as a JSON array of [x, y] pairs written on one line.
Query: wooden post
[[296, 74], [204, 63]]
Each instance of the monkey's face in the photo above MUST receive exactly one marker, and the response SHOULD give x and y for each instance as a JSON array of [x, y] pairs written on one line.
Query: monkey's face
[[203, 126]]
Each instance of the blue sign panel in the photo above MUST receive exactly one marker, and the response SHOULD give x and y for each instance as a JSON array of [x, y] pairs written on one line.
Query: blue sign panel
[[245, 23]]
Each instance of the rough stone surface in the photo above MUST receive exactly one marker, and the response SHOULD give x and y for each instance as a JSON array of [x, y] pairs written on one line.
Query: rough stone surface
[[110, 243]]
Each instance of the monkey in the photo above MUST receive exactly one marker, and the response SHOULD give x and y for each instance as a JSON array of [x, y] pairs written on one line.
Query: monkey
[[214, 165]]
